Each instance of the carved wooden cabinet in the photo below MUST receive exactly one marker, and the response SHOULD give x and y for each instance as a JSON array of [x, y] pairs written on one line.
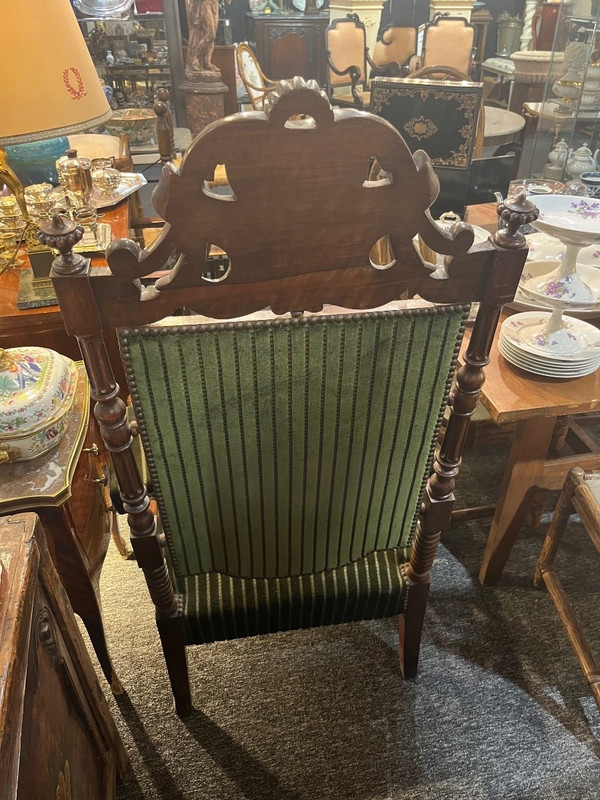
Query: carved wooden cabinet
[[57, 738], [66, 488], [287, 45]]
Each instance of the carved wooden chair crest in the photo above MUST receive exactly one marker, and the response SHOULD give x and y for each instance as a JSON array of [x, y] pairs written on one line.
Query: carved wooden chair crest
[[292, 456]]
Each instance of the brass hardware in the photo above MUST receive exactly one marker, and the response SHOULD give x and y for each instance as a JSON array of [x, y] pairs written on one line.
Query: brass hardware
[[8, 453], [93, 449], [102, 479]]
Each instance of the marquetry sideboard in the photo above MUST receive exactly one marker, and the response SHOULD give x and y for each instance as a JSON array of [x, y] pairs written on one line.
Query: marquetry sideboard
[[290, 44], [57, 738], [66, 487]]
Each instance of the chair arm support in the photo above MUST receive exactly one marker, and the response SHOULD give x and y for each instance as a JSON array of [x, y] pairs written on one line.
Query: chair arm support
[[352, 70]]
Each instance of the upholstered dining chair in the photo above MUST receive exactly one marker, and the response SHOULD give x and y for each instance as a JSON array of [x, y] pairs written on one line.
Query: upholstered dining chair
[[348, 62], [448, 40], [257, 85], [395, 53], [289, 424]]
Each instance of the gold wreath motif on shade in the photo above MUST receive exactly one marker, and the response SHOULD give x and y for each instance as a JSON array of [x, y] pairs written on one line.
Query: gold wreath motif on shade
[[420, 128]]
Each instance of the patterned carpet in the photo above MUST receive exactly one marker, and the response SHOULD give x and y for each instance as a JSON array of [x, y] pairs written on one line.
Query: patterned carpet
[[499, 711]]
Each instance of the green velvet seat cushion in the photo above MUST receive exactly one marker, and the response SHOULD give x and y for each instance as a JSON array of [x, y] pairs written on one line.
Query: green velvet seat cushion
[[220, 607]]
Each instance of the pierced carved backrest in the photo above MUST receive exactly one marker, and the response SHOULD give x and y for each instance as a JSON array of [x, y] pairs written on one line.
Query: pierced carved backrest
[[346, 46], [397, 44], [449, 41]]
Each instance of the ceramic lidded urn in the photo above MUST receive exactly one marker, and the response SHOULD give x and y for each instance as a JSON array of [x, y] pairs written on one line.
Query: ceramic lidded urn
[[37, 387]]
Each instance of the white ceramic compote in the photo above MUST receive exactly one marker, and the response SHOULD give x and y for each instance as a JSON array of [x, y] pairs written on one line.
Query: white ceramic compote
[[575, 221]]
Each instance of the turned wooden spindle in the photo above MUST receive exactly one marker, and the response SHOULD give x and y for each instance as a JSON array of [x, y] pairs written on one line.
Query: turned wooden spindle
[[164, 127]]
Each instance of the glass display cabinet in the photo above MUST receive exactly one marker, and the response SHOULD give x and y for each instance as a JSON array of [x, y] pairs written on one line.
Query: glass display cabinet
[[137, 53], [567, 120]]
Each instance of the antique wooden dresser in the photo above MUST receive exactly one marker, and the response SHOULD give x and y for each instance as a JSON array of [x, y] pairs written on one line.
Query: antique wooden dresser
[[57, 738]]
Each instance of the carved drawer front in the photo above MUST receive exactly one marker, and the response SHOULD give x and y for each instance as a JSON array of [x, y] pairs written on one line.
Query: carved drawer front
[[57, 740]]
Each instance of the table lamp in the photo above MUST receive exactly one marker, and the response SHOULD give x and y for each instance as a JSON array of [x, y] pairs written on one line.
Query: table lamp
[[48, 88], [48, 83]]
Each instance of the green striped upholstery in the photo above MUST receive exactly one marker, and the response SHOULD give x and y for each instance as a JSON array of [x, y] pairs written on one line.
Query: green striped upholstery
[[221, 607], [290, 448]]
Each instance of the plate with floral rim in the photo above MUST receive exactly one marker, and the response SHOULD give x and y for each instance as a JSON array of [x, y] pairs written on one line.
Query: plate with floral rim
[[518, 327]]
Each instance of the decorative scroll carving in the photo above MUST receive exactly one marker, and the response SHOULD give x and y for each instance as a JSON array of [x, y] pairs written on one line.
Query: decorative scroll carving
[[281, 33], [300, 155]]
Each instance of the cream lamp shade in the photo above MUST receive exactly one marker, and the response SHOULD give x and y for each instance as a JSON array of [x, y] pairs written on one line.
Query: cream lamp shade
[[48, 83]]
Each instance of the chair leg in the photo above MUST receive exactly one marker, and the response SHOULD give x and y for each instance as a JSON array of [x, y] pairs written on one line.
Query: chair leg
[[573, 629], [410, 629], [564, 509], [171, 637]]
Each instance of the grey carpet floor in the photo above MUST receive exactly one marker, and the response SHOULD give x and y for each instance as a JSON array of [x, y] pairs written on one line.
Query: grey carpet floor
[[499, 710]]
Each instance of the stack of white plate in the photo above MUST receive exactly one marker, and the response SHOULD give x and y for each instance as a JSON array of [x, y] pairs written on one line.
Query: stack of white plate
[[514, 344]]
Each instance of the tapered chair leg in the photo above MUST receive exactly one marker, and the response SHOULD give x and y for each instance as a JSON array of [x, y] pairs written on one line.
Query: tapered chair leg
[[171, 637], [410, 629]]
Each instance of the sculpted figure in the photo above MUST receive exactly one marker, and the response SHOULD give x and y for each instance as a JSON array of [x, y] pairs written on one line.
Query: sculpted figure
[[203, 17]]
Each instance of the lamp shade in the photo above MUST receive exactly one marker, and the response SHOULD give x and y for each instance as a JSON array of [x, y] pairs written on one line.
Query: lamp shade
[[48, 83]]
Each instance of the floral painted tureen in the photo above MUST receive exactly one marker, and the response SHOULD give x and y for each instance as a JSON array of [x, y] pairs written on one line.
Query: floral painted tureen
[[37, 387]]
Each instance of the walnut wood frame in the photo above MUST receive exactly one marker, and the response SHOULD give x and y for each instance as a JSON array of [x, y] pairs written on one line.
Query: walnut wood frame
[[284, 257]]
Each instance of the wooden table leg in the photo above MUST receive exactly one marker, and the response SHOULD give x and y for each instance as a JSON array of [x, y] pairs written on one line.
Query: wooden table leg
[[521, 476]]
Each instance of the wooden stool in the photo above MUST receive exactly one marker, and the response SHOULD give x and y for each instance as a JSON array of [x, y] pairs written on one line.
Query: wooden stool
[[581, 495]]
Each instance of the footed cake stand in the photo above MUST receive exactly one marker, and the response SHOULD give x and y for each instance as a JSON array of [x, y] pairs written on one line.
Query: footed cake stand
[[575, 221]]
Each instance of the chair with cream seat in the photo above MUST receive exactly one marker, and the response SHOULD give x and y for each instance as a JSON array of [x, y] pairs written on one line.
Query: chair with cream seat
[[289, 425], [256, 83]]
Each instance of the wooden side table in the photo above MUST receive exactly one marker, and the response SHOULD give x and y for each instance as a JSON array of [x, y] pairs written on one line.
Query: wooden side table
[[57, 738], [66, 488], [43, 327], [534, 404]]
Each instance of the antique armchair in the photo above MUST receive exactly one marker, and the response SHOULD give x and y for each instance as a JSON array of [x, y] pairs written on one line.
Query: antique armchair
[[289, 423], [395, 53], [256, 83], [347, 62], [449, 41]]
